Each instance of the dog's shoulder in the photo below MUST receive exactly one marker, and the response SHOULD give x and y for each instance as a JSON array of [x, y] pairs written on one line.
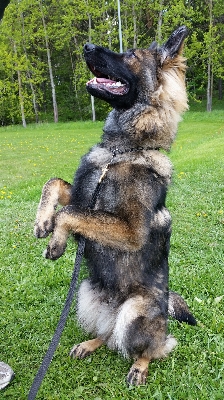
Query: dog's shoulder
[[158, 162], [99, 156]]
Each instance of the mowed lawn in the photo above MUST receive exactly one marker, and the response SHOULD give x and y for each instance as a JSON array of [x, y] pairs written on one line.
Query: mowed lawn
[[33, 289]]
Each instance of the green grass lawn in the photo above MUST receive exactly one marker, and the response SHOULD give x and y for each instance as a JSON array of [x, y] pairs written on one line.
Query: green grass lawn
[[33, 289]]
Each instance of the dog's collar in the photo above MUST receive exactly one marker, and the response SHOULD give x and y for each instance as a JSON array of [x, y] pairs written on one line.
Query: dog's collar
[[115, 151]]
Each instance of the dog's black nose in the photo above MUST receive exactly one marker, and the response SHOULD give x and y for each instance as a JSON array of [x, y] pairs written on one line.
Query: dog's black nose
[[89, 47]]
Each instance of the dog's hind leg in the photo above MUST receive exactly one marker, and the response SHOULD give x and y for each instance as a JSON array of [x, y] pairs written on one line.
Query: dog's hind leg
[[139, 370], [140, 332], [84, 349], [56, 191]]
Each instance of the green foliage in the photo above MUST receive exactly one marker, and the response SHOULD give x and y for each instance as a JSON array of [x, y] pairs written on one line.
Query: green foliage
[[33, 289], [72, 23]]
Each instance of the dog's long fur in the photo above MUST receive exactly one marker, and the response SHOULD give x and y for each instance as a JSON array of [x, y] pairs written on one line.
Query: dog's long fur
[[125, 301]]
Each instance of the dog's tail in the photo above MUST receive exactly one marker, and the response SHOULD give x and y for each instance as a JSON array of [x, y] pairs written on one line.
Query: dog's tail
[[178, 309]]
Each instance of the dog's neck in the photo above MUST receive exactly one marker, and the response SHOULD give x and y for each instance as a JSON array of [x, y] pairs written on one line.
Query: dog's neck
[[120, 134], [142, 125]]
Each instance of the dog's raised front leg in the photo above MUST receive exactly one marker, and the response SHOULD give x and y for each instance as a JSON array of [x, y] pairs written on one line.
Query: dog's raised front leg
[[138, 372], [55, 191], [84, 349], [107, 229]]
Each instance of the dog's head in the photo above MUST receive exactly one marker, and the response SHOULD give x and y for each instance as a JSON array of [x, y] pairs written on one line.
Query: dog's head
[[122, 79]]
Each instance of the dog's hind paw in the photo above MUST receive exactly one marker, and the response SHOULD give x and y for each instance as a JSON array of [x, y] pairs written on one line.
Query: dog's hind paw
[[138, 372], [136, 377]]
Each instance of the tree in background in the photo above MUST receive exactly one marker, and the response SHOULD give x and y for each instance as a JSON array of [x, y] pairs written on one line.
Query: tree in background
[[54, 101], [42, 70]]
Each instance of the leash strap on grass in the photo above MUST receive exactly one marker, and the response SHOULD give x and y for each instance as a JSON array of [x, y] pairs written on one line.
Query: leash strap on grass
[[55, 340]]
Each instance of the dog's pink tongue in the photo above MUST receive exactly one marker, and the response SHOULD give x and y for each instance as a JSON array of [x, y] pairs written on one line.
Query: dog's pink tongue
[[104, 80], [115, 87], [101, 80]]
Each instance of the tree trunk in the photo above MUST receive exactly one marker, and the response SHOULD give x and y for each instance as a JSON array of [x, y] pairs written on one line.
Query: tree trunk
[[55, 107], [21, 98], [209, 86], [74, 83], [220, 89], [35, 106], [119, 25], [92, 98], [159, 24], [135, 27], [210, 74]]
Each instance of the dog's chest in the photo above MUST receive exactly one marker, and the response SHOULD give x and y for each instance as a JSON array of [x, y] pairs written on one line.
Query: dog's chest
[[122, 178], [106, 181], [95, 172]]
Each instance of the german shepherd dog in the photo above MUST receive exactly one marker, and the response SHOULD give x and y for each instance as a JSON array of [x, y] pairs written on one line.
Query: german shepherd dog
[[125, 302]]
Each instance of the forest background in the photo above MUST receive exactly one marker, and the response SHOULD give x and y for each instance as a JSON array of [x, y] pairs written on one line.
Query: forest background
[[42, 69]]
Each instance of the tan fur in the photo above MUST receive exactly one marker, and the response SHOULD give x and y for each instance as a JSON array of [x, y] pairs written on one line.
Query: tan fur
[[169, 102], [113, 232], [84, 349], [139, 371], [55, 191], [106, 229]]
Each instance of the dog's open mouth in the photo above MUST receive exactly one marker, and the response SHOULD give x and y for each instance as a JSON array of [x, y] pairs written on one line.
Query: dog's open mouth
[[110, 84]]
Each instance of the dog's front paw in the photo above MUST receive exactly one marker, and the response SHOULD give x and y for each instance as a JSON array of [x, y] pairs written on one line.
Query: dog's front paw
[[43, 228], [58, 241], [86, 348], [55, 249], [79, 351]]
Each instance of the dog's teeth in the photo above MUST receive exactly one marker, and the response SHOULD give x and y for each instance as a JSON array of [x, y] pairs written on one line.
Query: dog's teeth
[[117, 84]]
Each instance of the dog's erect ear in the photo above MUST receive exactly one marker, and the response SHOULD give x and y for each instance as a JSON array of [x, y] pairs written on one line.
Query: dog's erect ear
[[174, 44]]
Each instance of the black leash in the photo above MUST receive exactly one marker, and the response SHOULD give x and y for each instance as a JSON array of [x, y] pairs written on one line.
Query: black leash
[[58, 332], [55, 340]]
